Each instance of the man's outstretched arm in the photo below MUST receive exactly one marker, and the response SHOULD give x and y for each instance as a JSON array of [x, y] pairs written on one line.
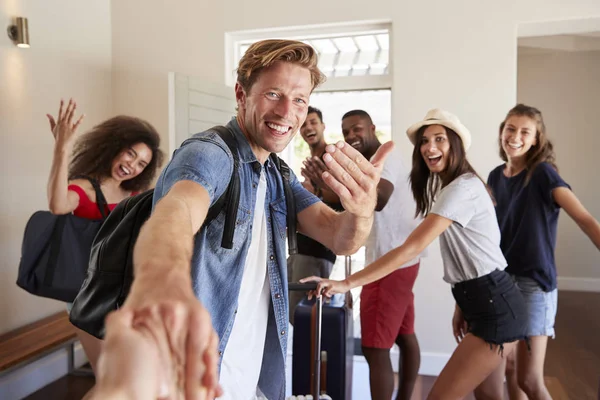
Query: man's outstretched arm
[[162, 259]]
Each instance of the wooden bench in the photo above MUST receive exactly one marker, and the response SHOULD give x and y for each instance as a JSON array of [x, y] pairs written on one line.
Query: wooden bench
[[34, 341]]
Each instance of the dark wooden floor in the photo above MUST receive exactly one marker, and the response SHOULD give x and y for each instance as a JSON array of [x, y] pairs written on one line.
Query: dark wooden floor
[[572, 361], [67, 388], [556, 389], [574, 356], [572, 368]]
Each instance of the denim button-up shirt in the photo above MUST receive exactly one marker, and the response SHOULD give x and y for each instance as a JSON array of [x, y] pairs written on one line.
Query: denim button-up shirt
[[217, 272]]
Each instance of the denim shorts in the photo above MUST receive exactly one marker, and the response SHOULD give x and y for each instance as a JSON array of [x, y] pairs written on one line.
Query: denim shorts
[[540, 306], [493, 308]]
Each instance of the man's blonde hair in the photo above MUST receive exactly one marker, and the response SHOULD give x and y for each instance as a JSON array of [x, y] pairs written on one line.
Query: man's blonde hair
[[265, 53]]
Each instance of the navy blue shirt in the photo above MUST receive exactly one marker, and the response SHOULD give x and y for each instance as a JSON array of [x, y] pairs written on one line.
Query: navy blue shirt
[[528, 218], [310, 247]]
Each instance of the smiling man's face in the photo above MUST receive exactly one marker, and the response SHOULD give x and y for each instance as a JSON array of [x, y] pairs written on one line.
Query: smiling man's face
[[312, 130], [359, 133], [274, 108]]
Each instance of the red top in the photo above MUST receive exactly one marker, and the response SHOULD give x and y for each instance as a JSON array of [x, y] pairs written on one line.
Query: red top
[[87, 208]]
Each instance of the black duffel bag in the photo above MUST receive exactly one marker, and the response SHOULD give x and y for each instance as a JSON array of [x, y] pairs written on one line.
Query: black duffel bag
[[56, 250]]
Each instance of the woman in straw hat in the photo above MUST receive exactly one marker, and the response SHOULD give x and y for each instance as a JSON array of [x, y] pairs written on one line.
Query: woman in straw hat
[[489, 316]]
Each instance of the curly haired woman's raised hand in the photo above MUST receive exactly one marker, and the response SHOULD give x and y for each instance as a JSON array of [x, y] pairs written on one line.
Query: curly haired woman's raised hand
[[60, 199], [63, 128]]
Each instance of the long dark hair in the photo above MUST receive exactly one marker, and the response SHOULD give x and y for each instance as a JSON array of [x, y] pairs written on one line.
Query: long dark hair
[[96, 150], [425, 185], [542, 151]]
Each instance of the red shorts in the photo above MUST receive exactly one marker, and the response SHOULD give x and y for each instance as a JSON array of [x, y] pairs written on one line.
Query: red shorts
[[387, 308]]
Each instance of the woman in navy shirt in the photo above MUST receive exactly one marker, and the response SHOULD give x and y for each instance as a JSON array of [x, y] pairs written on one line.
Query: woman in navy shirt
[[529, 193]]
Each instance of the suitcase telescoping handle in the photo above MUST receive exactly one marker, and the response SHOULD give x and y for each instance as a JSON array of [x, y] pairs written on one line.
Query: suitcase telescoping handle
[[316, 378], [347, 266], [316, 371], [302, 287], [348, 272]]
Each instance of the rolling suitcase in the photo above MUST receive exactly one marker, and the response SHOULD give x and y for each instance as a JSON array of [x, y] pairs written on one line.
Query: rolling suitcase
[[329, 359]]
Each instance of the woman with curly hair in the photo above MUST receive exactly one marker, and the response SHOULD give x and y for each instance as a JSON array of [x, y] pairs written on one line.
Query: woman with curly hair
[[121, 154]]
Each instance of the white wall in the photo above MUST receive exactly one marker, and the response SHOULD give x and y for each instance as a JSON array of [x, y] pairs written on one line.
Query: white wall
[[565, 86], [460, 55], [70, 55]]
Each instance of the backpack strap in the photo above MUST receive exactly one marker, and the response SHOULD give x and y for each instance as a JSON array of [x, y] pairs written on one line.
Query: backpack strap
[[231, 197], [290, 203]]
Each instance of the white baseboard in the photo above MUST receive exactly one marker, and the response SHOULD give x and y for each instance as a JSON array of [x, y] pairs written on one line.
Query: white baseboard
[[431, 363], [579, 284], [27, 380]]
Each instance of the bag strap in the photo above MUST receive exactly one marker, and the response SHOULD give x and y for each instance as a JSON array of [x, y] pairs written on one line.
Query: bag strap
[[101, 202], [290, 203], [231, 197], [55, 242], [100, 199]]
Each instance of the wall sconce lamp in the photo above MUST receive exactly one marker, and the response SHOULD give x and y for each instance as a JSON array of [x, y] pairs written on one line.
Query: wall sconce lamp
[[19, 32]]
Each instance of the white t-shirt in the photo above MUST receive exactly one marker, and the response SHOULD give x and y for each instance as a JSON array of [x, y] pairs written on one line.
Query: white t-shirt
[[243, 355], [470, 247], [396, 221]]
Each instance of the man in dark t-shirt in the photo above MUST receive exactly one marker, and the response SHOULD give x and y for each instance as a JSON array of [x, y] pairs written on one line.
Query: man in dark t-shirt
[[313, 258]]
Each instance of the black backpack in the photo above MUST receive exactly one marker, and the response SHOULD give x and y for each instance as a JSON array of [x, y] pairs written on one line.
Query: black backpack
[[110, 272]]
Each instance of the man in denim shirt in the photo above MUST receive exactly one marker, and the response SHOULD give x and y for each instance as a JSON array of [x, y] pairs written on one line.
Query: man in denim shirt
[[242, 292]]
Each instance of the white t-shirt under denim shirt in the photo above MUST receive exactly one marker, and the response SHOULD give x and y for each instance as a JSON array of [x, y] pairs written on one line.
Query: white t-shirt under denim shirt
[[470, 246], [243, 354]]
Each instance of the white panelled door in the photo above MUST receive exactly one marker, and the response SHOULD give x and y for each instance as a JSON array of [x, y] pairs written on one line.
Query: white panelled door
[[196, 105]]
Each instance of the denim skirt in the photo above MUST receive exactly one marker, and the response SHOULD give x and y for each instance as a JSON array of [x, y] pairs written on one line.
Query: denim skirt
[[541, 306]]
